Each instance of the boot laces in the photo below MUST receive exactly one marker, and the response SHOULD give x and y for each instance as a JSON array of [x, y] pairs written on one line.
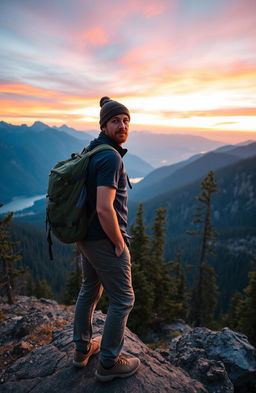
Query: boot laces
[[122, 360]]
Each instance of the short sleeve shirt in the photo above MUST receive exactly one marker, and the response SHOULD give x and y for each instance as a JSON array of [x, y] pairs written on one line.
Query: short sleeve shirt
[[106, 168]]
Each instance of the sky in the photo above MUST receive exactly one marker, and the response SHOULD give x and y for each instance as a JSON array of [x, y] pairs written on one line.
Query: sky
[[183, 66]]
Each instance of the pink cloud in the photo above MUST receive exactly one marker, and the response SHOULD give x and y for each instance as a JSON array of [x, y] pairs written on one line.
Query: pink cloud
[[96, 36], [223, 36]]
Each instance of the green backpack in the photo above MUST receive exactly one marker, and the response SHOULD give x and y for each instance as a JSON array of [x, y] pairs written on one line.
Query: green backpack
[[66, 205]]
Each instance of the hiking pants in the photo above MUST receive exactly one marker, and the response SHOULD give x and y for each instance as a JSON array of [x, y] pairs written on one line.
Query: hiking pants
[[101, 268]]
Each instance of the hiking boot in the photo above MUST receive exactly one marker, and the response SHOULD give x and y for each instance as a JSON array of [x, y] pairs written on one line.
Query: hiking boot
[[123, 368], [81, 359]]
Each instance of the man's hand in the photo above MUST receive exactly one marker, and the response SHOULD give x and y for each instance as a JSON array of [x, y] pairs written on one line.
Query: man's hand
[[119, 249], [108, 218]]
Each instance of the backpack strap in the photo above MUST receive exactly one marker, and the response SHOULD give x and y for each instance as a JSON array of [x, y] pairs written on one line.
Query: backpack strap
[[100, 148], [128, 181]]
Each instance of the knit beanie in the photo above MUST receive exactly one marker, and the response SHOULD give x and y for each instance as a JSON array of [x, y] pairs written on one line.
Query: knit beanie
[[110, 108]]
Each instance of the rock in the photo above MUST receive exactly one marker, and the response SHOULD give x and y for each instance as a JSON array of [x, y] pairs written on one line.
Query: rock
[[174, 329], [21, 329], [48, 301], [199, 361], [21, 348], [49, 368], [222, 361]]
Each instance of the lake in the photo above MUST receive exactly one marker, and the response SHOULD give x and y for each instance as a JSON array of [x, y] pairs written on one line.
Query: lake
[[20, 203]]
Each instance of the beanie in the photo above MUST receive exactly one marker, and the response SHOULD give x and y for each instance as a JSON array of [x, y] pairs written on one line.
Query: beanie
[[110, 108]]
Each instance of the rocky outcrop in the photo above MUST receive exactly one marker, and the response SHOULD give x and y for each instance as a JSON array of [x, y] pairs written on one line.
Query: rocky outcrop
[[223, 361], [37, 352]]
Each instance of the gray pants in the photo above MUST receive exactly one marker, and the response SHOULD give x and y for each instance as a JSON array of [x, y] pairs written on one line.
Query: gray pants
[[103, 269]]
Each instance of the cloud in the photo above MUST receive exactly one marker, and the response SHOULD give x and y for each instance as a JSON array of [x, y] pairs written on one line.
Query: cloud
[[191, 58]]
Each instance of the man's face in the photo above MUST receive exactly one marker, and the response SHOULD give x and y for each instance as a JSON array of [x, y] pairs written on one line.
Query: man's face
[[117, 128]]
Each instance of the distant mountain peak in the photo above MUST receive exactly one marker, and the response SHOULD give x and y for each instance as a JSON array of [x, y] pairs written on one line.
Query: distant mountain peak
[[64, 127], [39, 126], [4, 124]]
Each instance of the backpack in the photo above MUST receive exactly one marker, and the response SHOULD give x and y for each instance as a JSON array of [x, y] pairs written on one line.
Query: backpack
[[66, 210]]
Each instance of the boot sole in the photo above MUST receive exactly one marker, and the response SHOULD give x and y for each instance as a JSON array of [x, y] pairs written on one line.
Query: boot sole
[[106, 378]]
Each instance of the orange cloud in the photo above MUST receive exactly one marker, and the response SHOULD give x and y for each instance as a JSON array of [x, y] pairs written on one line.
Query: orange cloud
[[26, 90], [227, 112]]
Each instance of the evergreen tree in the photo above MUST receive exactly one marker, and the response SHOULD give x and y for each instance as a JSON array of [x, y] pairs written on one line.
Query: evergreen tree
[[140, 241], [158, 272], [231, 319], [247, 320], [74, 280], [42, 289], [8, 258], [209, 296], [30, 289], [204, 294], [142, 314], [178, 307]]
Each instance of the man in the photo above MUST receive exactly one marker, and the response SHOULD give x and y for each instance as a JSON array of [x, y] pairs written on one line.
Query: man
[[106, 258]]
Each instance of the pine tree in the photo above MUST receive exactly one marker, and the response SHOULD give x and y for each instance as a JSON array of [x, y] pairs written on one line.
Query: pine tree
[[204, 294], [209, 296], [178, 309], [142, 314], [42, 289], [247, 320], [8, 258], [231, 319], [158, 272], [74, 280], [140, 240], [30, 289]]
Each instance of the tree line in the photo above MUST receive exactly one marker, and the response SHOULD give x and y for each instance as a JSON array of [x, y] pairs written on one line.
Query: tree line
[[164, 290]]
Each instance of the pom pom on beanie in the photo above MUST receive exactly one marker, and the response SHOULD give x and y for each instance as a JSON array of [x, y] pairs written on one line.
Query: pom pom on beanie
[[103, 101], [110, 108]]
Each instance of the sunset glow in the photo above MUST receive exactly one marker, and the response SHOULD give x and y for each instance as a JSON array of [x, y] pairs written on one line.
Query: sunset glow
[[177, 65]]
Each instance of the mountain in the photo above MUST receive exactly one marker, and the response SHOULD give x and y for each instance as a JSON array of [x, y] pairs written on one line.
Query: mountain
[[233, 215], [28, 153], [82, 135], [136, 167], [228, 148], [26, 156], [159, 174], [233, 205], [170, 177], [166, 149]]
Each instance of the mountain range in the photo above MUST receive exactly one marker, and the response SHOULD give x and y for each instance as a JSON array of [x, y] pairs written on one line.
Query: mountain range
[[155, 148], [168, 178], [233, 215], [28, 153], [165, 149]]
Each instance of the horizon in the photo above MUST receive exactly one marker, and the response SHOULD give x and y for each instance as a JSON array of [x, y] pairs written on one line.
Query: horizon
[[225, 137], [179, 67]]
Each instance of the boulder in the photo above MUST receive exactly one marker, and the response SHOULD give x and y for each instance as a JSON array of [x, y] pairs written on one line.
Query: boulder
[[224, 361]]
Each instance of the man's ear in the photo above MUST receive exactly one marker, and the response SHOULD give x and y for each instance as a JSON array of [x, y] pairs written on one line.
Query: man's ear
[[103, 129]]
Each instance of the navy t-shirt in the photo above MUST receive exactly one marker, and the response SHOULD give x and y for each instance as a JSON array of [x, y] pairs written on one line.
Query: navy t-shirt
[[106, 168]]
